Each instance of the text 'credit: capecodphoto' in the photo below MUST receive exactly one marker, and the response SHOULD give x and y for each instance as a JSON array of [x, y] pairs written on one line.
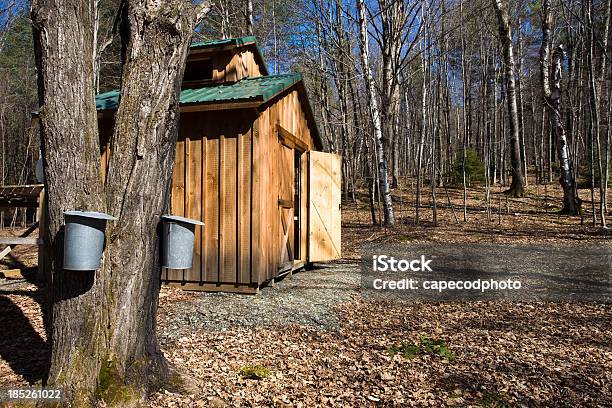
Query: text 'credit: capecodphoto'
[[484, 271]]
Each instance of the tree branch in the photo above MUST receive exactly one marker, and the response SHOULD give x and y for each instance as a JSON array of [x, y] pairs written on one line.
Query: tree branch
[[202, 10]]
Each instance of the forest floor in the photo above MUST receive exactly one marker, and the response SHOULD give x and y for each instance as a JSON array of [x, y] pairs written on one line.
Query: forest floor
[[323, 343]]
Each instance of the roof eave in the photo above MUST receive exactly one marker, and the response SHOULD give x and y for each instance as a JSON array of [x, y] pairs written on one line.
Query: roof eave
[[221, 47], [221, 105], [201, 107]]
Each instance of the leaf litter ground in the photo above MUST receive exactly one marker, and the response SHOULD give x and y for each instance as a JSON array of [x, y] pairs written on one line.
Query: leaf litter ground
[[318, 342]]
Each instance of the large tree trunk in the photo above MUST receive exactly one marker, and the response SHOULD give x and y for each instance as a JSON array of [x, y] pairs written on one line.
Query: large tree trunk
[[517, 189], [389, 218], [156, 38], [64, 44], [103, 329]]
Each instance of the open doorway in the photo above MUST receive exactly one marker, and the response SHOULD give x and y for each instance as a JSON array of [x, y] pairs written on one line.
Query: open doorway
[[297, 202]]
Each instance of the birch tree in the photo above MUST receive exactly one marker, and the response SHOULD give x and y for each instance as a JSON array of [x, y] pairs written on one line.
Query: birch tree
[[249, 17], [517, 188], [552, 98], [383, 178]]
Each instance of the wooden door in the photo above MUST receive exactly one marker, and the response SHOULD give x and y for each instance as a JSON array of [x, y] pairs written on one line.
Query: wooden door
[[324, 183], [285, 204]]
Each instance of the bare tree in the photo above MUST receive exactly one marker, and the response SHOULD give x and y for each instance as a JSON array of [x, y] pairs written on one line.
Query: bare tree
[[517, 188], [423, 135], [466, 129], [594, 120], [389, 218], [552, 99]]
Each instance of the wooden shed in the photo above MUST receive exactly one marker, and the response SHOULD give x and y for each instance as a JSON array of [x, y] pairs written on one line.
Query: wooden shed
[[249, 165]]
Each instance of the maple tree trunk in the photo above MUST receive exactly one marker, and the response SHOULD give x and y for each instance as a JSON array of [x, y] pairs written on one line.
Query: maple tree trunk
[[103, 327], [517, 188], [70, 148]]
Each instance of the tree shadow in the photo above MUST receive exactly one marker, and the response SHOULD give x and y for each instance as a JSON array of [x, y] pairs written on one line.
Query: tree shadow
[[483, 389], [21, 346], [526, 325]]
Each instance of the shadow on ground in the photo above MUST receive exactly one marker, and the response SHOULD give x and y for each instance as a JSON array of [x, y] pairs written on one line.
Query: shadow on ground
[[21, 345]]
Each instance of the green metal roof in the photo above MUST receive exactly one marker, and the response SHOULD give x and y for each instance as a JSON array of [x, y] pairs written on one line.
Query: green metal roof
[[259, 89], [107, 100], [238, 41]]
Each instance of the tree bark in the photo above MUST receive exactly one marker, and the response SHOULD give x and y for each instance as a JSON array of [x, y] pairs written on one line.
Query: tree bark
[[103, 330], [64, 44], [517, 188]]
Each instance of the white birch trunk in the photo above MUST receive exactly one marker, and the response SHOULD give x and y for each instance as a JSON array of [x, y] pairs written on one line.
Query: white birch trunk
[[389, 218]]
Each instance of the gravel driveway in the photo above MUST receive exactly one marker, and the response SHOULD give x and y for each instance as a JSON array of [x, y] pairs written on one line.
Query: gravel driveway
[[307, 298]]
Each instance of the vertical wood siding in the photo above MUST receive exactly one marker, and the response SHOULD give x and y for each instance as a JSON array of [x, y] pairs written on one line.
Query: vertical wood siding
[[230, 172], [273, 181], [231, 65]]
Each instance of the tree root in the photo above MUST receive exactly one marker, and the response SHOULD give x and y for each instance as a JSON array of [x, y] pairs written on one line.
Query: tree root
[[129, 390], [182, 383], [515, 191]]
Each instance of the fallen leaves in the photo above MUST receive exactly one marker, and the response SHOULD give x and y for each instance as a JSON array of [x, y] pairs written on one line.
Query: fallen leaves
[[518, 354], [326, 346]]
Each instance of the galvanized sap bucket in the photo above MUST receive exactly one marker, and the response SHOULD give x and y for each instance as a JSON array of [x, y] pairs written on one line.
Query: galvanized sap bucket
[[177, 242], [84, 239]]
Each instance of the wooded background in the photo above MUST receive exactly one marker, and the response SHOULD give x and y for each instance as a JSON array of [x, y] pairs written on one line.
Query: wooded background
[[439, 80]]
